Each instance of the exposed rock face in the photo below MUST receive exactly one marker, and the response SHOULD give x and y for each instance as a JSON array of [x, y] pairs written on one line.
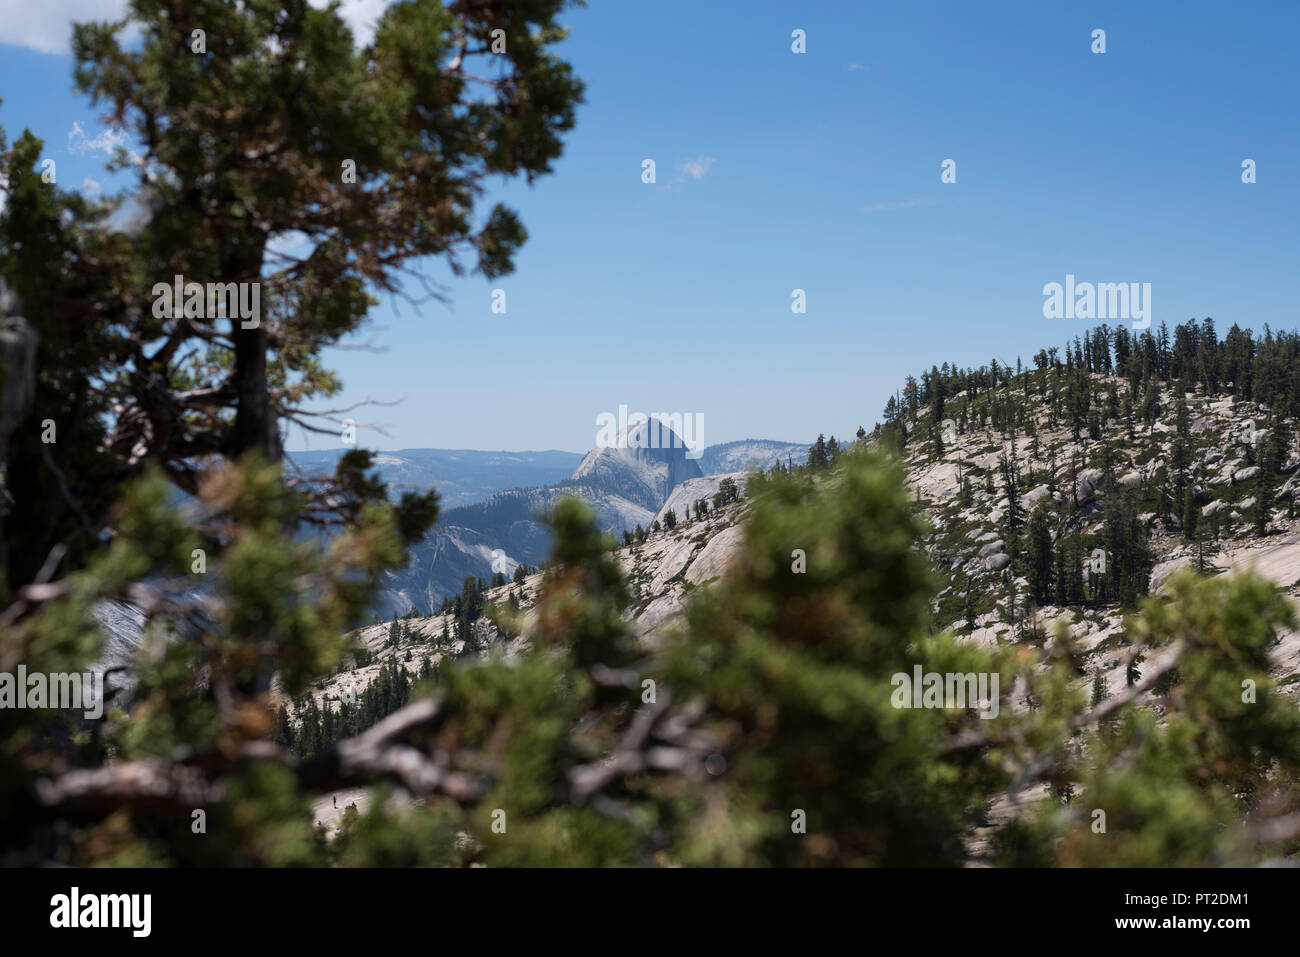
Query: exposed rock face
[[996, 563], [714, 558], [496, 535], [751, 454], [123, 627], [966, 546], [692, 490], [1089, 483], [625, 485], [1034, 496], [647, 462], [657, 571]]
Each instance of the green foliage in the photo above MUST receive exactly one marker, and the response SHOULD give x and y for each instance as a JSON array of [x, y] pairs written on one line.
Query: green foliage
[[282, 126], [764, 730], [1177, 790], [1039, 556], [798, 667], [789, 676], [201, 679]]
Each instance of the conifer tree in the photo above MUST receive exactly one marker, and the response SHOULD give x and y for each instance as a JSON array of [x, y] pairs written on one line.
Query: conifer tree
[[774, 696], [149, 404], [1038, 560], [817, 454], [1191, 515]]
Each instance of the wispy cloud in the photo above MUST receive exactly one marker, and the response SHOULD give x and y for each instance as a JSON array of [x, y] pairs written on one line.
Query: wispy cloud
[[893, 204], [131, 217], [107, 142], [696, 169], [47, 26], [854, 67]]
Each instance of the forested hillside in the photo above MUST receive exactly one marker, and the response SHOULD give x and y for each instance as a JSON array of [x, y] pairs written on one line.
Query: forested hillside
[[1072, 481], [1118, 548], [1038, 616]]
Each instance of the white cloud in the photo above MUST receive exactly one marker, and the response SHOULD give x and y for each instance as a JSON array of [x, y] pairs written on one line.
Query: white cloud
[[46, 25], [854, 67], [288, 247], [696, 169], [132, 216], [360, 15], [106, 142]]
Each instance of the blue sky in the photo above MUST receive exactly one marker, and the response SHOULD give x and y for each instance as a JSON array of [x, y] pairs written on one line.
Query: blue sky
[[821, 171]]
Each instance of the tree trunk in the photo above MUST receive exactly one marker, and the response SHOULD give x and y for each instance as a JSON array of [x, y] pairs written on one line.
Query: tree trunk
[[256, 426], [17, 391], [257, 429]]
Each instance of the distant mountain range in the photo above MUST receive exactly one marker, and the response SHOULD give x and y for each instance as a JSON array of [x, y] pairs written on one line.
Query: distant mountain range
[[493, 501], [466, 476], [749, 455], [461, 476]]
